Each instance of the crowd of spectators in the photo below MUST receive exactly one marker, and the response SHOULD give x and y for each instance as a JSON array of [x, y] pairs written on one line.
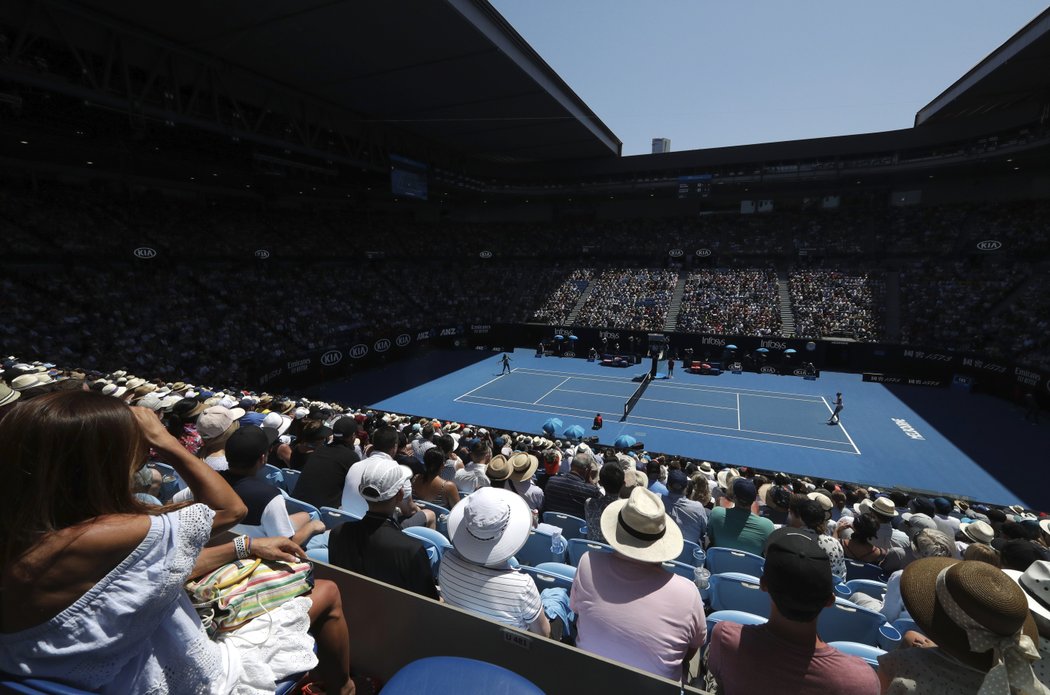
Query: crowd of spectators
[[636, 298], [731, 302], [833, 303], [1021, 331], [559, 304]]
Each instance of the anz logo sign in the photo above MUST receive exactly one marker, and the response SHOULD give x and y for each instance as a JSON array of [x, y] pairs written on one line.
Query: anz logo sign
[[144, 252], [382, 345], [358, 351], [989, 245], [403, 340], [331, 358]]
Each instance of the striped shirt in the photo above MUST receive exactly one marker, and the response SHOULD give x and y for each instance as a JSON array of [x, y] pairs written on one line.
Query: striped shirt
[[497, 593]]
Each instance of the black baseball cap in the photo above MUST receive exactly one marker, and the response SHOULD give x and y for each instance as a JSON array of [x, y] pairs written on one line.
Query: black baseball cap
[[247, 444], [797, 571]]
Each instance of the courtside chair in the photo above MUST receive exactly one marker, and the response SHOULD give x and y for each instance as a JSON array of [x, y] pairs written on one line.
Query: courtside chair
[[274, 476], [579, 546], [867, 586], [547, 580], [333, 517], [867, 652], [720, 560], [862, 570], [848, 622], [738, 592], [291, 479], [441, 513], [440, 675], [571, 526]]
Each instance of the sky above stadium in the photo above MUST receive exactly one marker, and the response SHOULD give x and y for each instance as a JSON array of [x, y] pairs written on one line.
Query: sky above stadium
[[711, 74]]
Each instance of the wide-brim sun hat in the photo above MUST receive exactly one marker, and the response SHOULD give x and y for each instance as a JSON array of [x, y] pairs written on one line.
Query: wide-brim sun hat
[[499, 468], [983, 592], [639, 528], [523, 466], [490, 525], [978, 531]]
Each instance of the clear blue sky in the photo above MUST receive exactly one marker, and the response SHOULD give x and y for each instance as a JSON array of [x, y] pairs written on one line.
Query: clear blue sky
[[709, 74]]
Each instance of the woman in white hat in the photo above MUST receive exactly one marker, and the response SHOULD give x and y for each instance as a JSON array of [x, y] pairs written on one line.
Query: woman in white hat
[[629, 608], [487, 529]]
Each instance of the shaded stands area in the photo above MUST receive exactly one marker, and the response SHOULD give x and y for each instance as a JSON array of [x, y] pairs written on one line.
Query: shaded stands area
[[731, 302], [836, 303]]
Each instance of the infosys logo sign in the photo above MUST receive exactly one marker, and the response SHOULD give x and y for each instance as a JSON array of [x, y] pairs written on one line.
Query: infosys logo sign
[[144, 252], [382, 345], [331, 358], [358, 351]]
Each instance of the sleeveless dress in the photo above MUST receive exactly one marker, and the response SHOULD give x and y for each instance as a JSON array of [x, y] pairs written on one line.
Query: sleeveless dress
[[136, 631]]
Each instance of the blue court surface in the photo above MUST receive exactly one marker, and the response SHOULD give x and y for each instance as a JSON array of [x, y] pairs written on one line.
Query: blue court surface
[[937, 440]]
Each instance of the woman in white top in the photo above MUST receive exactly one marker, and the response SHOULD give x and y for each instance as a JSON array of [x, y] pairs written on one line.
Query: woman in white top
[[92, 586]]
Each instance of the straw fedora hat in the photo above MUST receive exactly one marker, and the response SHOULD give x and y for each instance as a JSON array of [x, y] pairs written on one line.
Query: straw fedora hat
[[523, 466], [978, 531], [984, 593], [639, 528], [498, 468]]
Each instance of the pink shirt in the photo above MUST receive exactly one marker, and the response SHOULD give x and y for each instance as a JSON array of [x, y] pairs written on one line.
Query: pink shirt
[[636, 613], [753, 660]]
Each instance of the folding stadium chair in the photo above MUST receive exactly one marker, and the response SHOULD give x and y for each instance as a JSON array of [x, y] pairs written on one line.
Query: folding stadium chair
[[274, 476], [571, 526], [679, 568], [867, 586], [720, 560], [537, 549], [862, 570], [442, 515], [295, 505], [559, 568], [579, 546], [437, 675], [902, 625], [333, 517], [291, 479], [867, 652], [686, 555], [546, 580], [435, 543], [739, 592], [848, 622]]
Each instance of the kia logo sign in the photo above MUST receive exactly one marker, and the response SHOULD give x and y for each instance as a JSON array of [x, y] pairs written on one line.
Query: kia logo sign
[[676, 253], [331, 358], [989, 245], [703, 253], [358, 351], [769, 370], [262, 254], [403, 340], [144, 252], [485, 254], [382, 345]]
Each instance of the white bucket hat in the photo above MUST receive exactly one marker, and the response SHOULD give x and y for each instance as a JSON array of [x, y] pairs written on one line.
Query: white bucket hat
[[639, 528], [490, 525]]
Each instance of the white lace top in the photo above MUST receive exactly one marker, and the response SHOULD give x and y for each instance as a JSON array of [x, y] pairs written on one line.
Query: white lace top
[[135, 631]]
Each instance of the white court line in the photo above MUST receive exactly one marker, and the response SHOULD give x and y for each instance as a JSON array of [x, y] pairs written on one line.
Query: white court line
[[551, 391], [738, 411], [673, 429], [618, 379], [650, 400], [482, 386], [839, 424], [661, 419]]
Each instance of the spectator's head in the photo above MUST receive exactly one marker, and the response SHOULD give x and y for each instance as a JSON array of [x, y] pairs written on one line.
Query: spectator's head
[[581, 464], [744, 492], [523, 466], [677, 481], [1019, 554], [611, 478], [699, 488], [490, 525], [1035, 582], [652, 470], [384, 440], [865, 528], [314, 434], [838, 498], [883, 510], [639, 528], [246, 449], [480, 452], [383, 483], [951, 600], [978, 532], [344, 431], [427, 432], [433, 462], [806, 513], [216, 424], [942, 505], [933, 543], [982, 553], [797, 575], [499, 469]]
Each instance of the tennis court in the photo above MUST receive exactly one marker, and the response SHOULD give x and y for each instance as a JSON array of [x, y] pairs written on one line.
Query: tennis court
[[772, 417]]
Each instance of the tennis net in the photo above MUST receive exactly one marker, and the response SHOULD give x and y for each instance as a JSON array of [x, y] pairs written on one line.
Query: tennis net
[[637, 396]]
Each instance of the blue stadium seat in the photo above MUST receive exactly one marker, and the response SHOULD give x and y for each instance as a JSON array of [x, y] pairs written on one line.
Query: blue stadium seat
[[740, 617], [902, 625], [867, 652], [862, 570], [537, 549], [171, 481], [680, 568], [739, 592], [441, 513], [333, 517], [547, 580], [686, 556], [295, 506], [579, 546], [868, 586], [435, 541], [274, 476], [440, 675], [720, 560], [571, 526], [291, 479], [559, 568], [848, 622]]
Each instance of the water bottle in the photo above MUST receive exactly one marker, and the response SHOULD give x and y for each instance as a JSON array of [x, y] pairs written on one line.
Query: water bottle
[[699, 557], [558, 546], [702, 578]]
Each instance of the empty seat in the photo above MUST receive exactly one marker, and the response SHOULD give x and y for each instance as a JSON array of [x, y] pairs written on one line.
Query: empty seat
[[571, 526], [579, 546], [739, 592], [721, 560], [291, 479]]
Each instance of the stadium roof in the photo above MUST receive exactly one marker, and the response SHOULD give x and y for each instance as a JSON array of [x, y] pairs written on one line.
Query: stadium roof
[[1013, 77], [452, 71]]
